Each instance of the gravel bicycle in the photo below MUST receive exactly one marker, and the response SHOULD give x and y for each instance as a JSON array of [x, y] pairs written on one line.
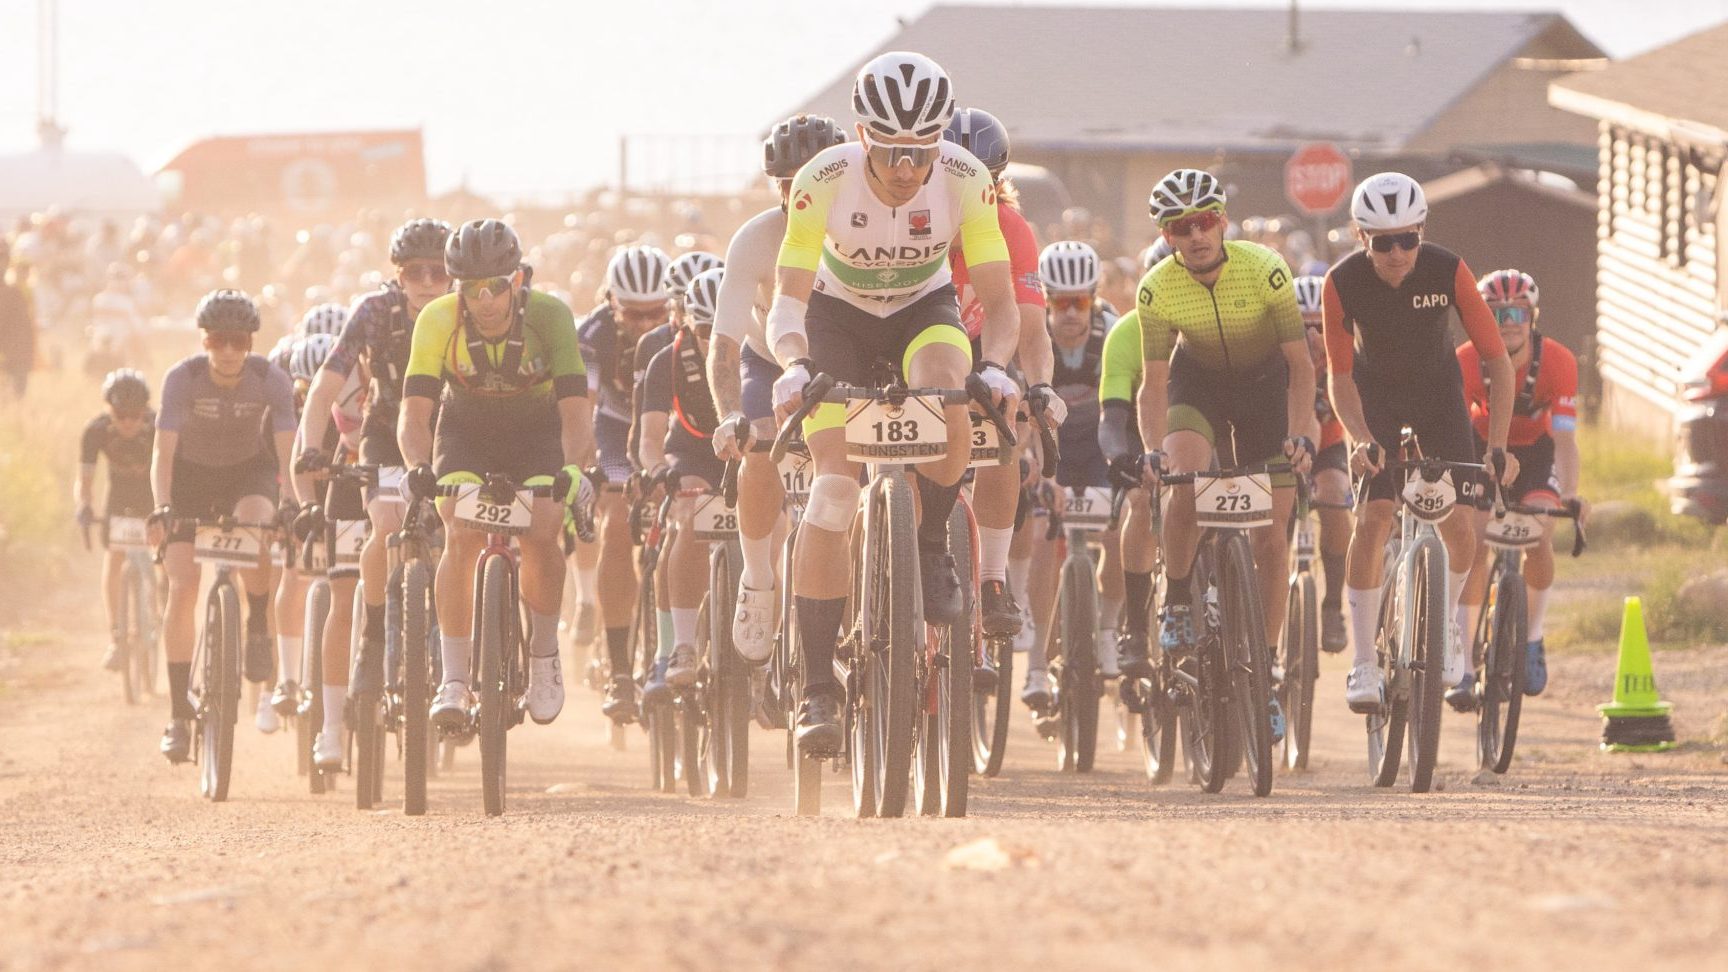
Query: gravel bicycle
[[1294, 684]]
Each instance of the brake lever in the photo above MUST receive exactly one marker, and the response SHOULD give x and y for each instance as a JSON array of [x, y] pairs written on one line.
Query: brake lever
[[979, 392], [814, 391]]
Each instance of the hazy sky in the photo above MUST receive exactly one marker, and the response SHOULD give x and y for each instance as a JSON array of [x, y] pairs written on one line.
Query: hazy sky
[[516, 96]]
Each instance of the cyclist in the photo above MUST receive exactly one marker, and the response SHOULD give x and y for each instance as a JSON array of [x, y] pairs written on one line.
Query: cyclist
[[636, 301], [678, 418], [514, 402], [679, 273], [1119, 379], [742, 372], [1386, 312], [1239, 371], [226, 426], [863, 276], [1331, 473], [996, 489], [1078, 326], [377, 336], [1543, 436], [123, 433]]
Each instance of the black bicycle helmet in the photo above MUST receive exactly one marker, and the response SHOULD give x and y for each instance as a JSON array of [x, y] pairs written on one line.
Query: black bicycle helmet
[[419, 239], [796, 141], [482, 248], [979, 132], [228, 310], [125, 388]]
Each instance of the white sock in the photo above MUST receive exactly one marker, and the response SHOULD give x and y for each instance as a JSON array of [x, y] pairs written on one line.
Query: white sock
[[758, 561], [1465, 616], [1020, 579], [1455, 587], [668, 635], [288, 649], [1538, 612], [542, 635], [1035, 660], [587, 584], [993, 543], [684, 625], [335, 696], [1109, 612], [1364, 611], [456, 653]]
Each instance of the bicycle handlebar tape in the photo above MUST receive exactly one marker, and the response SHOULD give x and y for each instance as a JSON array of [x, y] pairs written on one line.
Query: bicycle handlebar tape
[[1637, 720]]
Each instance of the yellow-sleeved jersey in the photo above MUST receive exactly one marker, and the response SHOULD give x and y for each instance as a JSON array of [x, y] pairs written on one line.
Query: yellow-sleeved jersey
[[546, 365], [877, 258], [1233, 326]]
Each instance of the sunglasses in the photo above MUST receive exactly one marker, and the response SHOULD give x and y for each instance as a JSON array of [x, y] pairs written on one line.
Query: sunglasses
[[137, 416], [488, 287], [1384, 242], [1513, 315], [890, 156], [643, 315], [1080, 303], [1202, 222], [426, 274], [232, 340]]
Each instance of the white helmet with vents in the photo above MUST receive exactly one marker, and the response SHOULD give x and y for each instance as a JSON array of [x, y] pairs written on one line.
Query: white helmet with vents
[[1388, 200], [903, 93]]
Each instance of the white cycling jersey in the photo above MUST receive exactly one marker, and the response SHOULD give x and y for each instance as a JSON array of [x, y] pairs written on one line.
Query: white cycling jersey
[[747, 289]]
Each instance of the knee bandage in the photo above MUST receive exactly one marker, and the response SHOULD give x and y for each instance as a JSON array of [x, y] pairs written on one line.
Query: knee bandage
[[833, 501]]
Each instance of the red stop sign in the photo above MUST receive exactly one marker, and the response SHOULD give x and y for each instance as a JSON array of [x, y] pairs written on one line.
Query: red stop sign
[[1317, 177]]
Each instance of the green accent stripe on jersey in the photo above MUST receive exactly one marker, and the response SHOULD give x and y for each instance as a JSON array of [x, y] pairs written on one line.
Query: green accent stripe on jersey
[[887, 278]]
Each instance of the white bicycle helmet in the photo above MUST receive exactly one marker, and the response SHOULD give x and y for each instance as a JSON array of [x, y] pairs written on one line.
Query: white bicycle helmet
[[308, 356], [1509, 287], [688, 267], [1068, 265], [1308, 293], [1388, 200], [325, 318], [903, 93], [702, 297], [1155, 254], [638, 273], [1184, 192]]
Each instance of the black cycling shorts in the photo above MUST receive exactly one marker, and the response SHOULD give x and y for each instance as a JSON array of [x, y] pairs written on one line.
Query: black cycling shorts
[[1442, 426], [1244, 417], [200, 490], [519, 442]]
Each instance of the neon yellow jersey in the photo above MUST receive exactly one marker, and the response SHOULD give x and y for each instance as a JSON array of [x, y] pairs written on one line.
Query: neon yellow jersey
[[1119, 375], [549, 365], [1233, 326], [880, 258]]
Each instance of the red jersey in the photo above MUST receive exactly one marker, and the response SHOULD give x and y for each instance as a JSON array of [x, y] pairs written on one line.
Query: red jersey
[[1022, 259], [1549, 403]]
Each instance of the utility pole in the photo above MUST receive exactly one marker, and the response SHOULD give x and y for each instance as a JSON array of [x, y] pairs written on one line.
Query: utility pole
[[48, 74]]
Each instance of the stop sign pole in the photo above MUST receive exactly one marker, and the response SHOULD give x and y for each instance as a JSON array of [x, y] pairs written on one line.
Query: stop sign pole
[[1317, 178]]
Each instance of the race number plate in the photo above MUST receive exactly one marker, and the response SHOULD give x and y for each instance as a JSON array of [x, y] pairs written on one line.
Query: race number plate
[[350, 538], [1430, 500], [239, 547], [126, 533], [390, 483], [910, 433], [713, 519], [512, 518], [1088, 510], [986, 443], [795, 474], [1233, 501], [1514, 531]]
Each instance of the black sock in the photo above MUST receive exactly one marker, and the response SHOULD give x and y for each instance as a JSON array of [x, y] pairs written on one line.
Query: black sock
[[257, 613], [1137, 589], [179, 680], [1177, 590], [818, 630], [618, 650], [374, 623], [1333, 565], [937, 502]]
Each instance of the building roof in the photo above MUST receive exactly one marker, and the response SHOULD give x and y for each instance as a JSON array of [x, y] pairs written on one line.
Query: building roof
[[1685, 82], [1201, 79]]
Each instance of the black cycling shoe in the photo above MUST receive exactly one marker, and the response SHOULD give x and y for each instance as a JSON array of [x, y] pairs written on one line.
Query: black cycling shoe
[[943, 603], [1131, 655], [286, 699], [260, 661], [620, 703], [368, 679], [177, 741], [818, 733], [1001, 613]]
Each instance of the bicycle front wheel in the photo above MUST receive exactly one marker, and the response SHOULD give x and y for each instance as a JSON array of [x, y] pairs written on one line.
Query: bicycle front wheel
[[1301, 669], [1077, 613], [416, 685], [1429, 623], [1502, 686], [311, 711], [494, 624], [728, 757], [1208, 729], [220, 692], [891, 622], [1249, 659]]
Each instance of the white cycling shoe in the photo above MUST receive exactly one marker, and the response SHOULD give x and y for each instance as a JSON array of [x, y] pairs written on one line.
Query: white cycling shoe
[[267, 720], [1365, 688], [681, 668], [450, 707], [1457, 664], [327, 751], [752, 623], [545, 696]]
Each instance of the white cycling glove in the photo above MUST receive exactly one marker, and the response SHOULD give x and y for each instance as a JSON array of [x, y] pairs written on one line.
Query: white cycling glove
[[790, 384], [1000, 384], [1053, 404]]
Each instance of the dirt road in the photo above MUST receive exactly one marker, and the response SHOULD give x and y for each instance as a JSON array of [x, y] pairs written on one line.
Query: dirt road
[[109, 859]]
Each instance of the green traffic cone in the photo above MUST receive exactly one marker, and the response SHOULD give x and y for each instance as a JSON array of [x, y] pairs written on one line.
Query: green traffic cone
[[1637, 720]]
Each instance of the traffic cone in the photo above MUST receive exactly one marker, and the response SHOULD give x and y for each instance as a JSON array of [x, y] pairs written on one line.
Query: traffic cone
[[1637, 720]]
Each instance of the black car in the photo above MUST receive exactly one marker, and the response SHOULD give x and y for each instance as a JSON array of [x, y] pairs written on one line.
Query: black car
[[1699, 487]]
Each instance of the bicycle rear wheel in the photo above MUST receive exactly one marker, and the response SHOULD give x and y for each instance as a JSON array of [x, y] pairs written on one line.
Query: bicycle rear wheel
[[416, 684], [494, 616], [1078, 693], [689, 714], [1157, 719], [130, 637], [1502, 688], [368, 727], [891, 621], [1427, 660], [993, 710], [943, 753], [1250, 662], [311, 720], [728, 751], [220, 692], [1301, 669]]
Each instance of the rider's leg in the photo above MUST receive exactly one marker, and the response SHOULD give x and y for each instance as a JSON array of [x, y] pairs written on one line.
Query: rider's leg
[[617, 580], [1139, 555], [114, 589], [179, 624], [338, 636], [1367, 553], [821, 562], [1189, 450], [386, 517], [1333, 486], [686, 582], [941, 357], [761, 497], [585, 567], [454, 591], [1272, 563], [257, 583], [1476, 584], [1458, 532], [1110, 585]]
